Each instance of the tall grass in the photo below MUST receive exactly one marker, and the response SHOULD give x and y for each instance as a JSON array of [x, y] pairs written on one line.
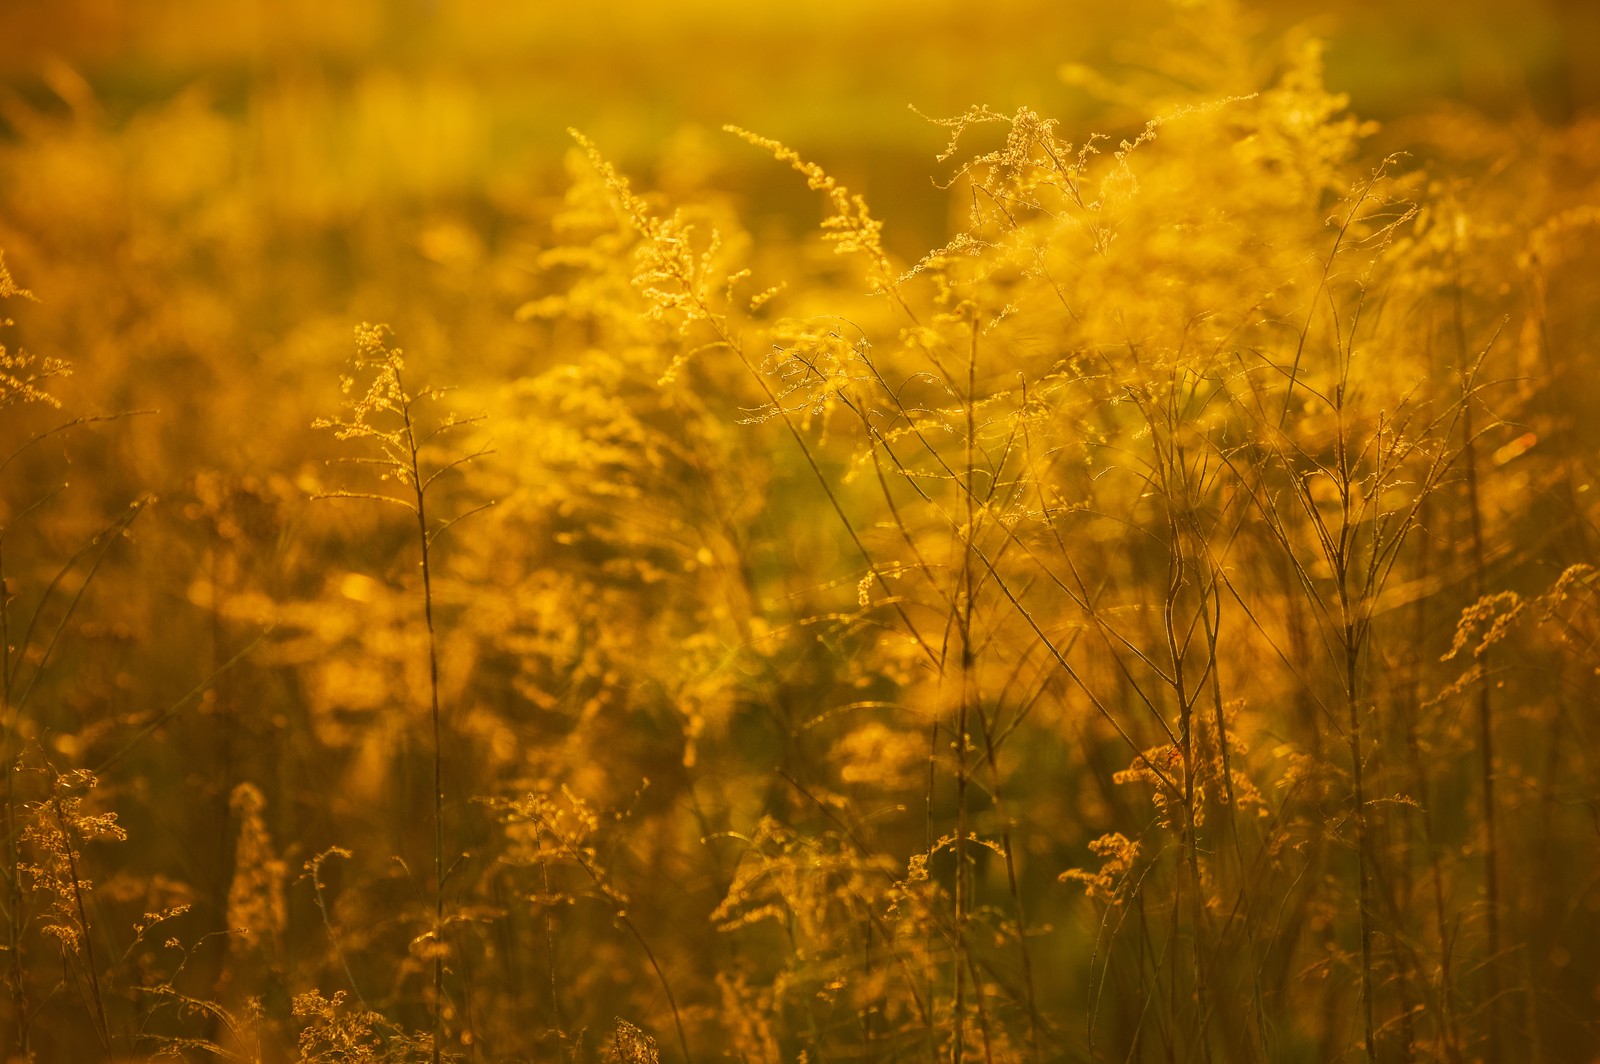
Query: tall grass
[[1153, 624]]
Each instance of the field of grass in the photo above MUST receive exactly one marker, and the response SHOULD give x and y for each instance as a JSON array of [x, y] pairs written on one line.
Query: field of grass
[[800, 533]]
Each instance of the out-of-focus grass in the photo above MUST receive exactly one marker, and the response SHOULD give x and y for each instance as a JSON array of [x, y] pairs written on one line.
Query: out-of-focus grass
[[513, 75], [206, 197], [325, 111]]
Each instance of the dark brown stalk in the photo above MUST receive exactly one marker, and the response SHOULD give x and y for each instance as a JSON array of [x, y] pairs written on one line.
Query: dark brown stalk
[[69, 837], [1351, 641], [424, 538], [1364, 888], [1485, 705], [1406, 704], [12, 709], [992, 757], [620, 913], [963, 618], [550, 951], [19, 1001], [1178, 652]]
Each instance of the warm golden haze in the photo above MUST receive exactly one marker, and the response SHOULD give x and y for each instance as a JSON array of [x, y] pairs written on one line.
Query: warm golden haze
[[570, 534]]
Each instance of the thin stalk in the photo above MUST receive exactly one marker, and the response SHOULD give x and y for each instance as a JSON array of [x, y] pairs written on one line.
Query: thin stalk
[[1351, 641], [1364, 889], [1177, 653], [550, 951], [314, 871], [1485, 706], [12, 709], [102, 1022], [927, 848], [418, 487], [401, 457], [1406, 704], [992, 757], [963, 885], [19, 1002], [620, 914]]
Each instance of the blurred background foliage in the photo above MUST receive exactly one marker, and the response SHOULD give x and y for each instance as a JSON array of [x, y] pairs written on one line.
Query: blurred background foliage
[[248, 180], [663, 661]]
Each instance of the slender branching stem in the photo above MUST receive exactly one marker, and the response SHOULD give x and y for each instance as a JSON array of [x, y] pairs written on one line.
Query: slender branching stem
[[424, 543]]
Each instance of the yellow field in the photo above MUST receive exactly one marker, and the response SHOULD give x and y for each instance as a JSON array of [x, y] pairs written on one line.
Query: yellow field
[[800, 532]]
